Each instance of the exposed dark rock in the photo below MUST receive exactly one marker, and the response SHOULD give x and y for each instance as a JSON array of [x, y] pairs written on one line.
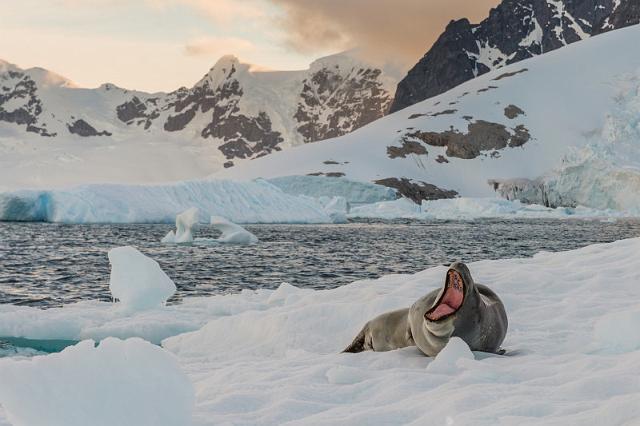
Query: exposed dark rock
[[510, 74], [412, 116], [330, 162], [179, 121], [486, 89], [467, 117], [441, 159], [84, 129], [520, 137], [407, 148], [415, 190], [627, 13], [136, 111], [512, 112], [456, 56], [328, 174], [228, 164], [445, 112], [481, 136], [236, 149], [333, 104]]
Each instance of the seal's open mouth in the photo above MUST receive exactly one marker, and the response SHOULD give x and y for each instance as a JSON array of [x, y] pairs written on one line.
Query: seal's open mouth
[[451, 298]]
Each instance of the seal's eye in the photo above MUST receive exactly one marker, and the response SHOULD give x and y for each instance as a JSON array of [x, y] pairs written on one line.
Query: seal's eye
[[451, 299]]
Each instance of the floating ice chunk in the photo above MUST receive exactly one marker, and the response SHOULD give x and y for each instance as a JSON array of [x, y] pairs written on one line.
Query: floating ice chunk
[[137, 280], [448, 360], [185, 224], [119, 382], [232, 233]]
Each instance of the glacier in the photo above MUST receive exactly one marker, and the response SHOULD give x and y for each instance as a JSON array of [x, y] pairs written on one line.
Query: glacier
[[604, 174], [255, 201]]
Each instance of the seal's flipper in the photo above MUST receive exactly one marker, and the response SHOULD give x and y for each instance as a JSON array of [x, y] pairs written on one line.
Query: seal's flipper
[[358, 344]]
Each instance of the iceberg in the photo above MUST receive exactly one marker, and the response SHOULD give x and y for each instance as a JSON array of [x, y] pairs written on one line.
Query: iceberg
[[130, 382], [137, 281], [355, 192], [185, 222], [466, 208], [232, 233], [255, 201]]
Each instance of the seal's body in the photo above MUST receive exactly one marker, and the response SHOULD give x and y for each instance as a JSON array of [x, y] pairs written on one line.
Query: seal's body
[[460, 308]]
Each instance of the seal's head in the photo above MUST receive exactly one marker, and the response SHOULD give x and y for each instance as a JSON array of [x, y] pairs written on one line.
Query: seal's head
[[457, 286]]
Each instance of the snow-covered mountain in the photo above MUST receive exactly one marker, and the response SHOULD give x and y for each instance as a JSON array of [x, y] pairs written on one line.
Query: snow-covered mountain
[[513, 31], [241, 112], [515, 122]]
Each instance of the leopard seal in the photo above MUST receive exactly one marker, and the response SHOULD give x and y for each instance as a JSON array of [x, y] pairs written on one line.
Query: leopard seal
[[459, 308]]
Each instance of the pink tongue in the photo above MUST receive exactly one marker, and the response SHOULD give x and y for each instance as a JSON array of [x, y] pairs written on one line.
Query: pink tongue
[[442, 310], [452, 297], [451, 301]]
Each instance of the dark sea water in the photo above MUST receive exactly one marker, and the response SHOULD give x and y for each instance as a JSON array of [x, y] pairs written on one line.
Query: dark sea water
[[50, 265]]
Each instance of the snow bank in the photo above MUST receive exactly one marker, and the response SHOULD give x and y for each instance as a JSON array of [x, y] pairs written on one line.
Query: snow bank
[[451, 358], [185, 223], [232, 233], [354, 192], [604, 174], [471, 208], [572, 354], [119, 382], [242, 202], [137, 281]]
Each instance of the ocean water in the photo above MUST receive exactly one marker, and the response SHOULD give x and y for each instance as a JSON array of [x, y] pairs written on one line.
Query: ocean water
[[48, 265]]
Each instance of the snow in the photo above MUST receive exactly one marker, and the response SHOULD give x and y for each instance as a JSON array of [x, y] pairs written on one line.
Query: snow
[[185, 222], [534, 37], [232, 233], [129, 382], [450, 359], [29, 161], [270, 357], [137, 281], [467, 208], [563, 110], [241, 202]]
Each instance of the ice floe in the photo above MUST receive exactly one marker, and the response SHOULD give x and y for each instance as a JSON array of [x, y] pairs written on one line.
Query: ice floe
[[273, 356], [129, 382]]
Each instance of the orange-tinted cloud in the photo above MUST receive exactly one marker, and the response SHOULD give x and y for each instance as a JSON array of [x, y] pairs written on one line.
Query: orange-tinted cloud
[[398, 30]]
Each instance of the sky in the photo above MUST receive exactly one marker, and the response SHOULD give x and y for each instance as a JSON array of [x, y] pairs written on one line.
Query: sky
[[160, 45]]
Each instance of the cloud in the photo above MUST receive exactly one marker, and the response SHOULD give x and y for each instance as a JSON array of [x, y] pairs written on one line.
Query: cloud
[[218, 46], [402, 30], [220, 11]]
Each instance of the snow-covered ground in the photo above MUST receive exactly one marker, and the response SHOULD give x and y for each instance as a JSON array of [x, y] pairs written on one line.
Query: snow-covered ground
[[562, 98], [272, 357]]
